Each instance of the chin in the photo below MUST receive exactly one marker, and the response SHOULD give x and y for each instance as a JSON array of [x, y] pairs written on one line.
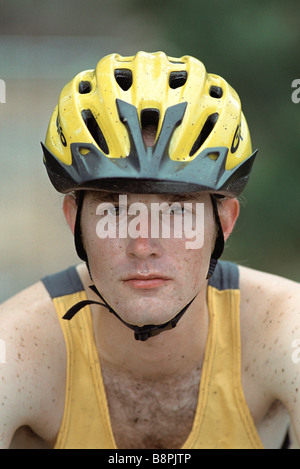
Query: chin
[[147, 311]]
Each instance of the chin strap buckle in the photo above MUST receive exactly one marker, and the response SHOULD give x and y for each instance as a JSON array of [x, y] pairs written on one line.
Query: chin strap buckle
[[145, 332]]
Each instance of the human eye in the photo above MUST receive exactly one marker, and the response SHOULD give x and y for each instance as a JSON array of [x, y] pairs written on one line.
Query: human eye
[[176, 210], [179, 209], [110, 209], [116, 210]]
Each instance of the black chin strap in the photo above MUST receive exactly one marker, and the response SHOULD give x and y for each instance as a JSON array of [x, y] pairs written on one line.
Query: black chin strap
[[140, 333], [219, 244]]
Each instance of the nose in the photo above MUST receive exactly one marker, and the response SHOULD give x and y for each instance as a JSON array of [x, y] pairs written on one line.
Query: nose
[[140, 244], [144, 248]]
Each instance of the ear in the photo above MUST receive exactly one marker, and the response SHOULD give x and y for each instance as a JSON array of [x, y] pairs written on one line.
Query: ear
[[229, 210], [70, 210]]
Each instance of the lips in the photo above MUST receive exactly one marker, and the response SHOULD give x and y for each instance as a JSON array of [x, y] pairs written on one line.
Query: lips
[[146, 281]]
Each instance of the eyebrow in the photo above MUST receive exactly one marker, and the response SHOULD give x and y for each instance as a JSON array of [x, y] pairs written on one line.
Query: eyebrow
[[183, 197], [113, 197]]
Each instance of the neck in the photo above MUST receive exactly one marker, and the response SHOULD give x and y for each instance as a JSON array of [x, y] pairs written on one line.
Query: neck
[[172, 353]]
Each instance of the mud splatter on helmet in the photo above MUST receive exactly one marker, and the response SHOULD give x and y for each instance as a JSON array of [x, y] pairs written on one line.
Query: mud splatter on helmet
[[94, 139]]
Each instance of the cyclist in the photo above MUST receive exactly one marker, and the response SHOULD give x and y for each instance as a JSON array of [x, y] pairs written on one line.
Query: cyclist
[[150, 342]]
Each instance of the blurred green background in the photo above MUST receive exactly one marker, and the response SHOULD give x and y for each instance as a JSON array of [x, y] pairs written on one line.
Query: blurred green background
[[254, 45]]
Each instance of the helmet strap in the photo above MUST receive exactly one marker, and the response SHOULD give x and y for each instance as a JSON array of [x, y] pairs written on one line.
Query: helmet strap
[[219, 244], [77, 230], [140, 333]]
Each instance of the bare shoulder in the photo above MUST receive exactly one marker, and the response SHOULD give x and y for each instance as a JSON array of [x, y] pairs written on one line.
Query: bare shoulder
[[270, 331], [255, 277], [33, 364], [272, 300]]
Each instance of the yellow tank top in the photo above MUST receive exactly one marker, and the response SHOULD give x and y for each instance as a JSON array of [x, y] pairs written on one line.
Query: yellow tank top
[[222, 418]]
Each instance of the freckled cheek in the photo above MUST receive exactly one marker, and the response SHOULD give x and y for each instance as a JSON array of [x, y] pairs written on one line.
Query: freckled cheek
[[101, 252], [190, 265], [107, 251], [196, 270], [105, 258]]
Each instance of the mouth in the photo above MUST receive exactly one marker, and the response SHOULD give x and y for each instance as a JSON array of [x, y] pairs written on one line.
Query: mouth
[[146, 282]]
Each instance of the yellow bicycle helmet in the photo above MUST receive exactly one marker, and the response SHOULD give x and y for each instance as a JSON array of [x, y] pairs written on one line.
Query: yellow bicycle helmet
[[95, 138]]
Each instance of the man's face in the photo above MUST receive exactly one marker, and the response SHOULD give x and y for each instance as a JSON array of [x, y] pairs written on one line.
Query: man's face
[[146, 275]]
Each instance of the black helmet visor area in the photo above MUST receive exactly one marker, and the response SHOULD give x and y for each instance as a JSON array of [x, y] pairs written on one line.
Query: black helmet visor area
[[95, 171]]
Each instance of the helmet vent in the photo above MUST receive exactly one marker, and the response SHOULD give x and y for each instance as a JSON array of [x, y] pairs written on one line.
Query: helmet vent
[[177, 79], [149, 123], [205, 132], [215, 92], [123, 77], [84, 87], [94, 130]]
